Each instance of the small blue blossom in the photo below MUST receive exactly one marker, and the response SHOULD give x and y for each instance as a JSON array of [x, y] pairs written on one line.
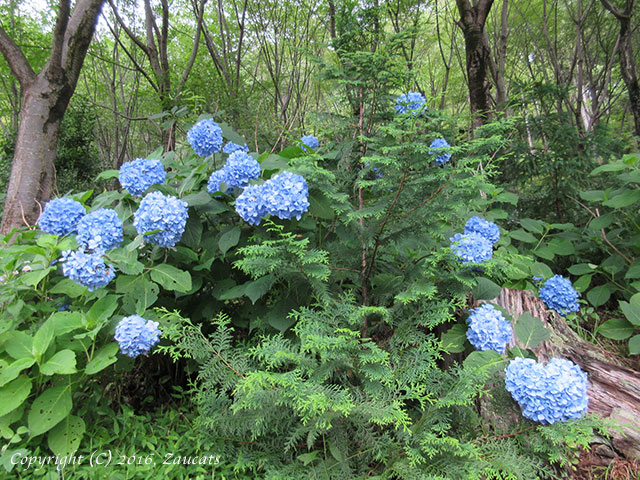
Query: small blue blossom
[[536, 279], [231, 147], [471, 248], [61, 216], [548, 394], [205, 137], [100, 230], [440, 146], [250, 204], [559, 294], [213, 185], [310, 141], [488, 329], [161, 212], [136, 336], [240, 169], [63, 307], [412, 102], [286, 195], [488, 230], [87, 269], [137, 176]]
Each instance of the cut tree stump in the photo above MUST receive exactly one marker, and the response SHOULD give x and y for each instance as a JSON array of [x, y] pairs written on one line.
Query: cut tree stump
[[614, 381]]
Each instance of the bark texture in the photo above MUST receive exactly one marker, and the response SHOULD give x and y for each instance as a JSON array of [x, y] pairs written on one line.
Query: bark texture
[[45, 97], [614, 383]]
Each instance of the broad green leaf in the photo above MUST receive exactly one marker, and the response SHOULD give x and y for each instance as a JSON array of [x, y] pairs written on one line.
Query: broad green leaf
[[198, 199], [544, 252], [454, 339], [68, 287], [126, 261], [42, 339], [535, 226], [539, 269], [624, 199], [234, 292], [19, 344], [523, 236], [102, 359], [631, 311], [35, 277], [257, 288], [530, 330], [145, 296], [562, 246], [321, 207], [107, 174], [230, 134], [603, 221], [278, 316], [11, 371], [583, 282], [49, 409], [592, 195], [610, 167], [507, 197], [171, 278], [102, 309], [13, 394], [634, 345], [192, 235], [616, 329], [64, 438], [488, 361], [65, 322], [634, 270], [580, 269], [274, 162], [599, 295], [63, 362], [485, 289], [229, 239]]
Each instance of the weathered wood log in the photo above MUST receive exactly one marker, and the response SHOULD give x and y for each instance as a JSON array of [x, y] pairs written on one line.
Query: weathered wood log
[[614, 381]]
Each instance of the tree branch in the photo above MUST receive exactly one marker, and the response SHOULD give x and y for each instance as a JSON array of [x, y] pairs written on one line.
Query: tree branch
[[18, 63]]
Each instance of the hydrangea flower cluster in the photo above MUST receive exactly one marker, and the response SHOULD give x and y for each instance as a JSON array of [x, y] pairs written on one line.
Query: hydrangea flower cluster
[[284, 196], [559, 294], [205, 137], [213, 185], [100, 230], [161, 212], [310, 141], [61, 216], [412, 102], [87, 269], [231, 147], [239, 169], [488, 329], [547, 394], [136, 336], [440, 146], [488, 230], [471, 248], [137, 176]]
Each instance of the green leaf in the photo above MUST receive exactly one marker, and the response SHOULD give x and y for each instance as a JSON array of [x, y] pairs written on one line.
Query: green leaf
[[107, 174], [234, 292], [522, 236], [19, 344], [274, 162], [562, 246], [307, 458], [278, 316], [624, 199], [616, 329], [544, 252], [13, 394], [539, 269], [102, 309], [488, 361], [198, 199], [35, 277], [485, 289], [535, 226], [192, 235], [634, 270], [49, 409], [230, 134], [68, 287], [229, 239], [454, 339], [145, 296], [610, 167], [65, 322], [634, 345], [171, 278], [603, 221], [599, 295], [580, 269], [12, 370], [592, 195], [583, 282], [321, 207], [42, 339], [530, 330], [507, 197], [257, 288], [102, 359], [64, 439], [631, 311], [126, 261], [63, 362]]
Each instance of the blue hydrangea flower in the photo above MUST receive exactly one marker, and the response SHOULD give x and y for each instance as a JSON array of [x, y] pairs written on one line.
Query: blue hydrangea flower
[[240, 168], [205, 137], [231, 147], [536, 279], [87, 269], [488, 329], [547, 394], [412, 102], [213, 185], [488, 230], [559, 294], [161, 212], [471, 248], [100, 230], [250, 204], [137, 176], [310, 141], [440, 145], [61, 216], [286, 195], [136, 336]]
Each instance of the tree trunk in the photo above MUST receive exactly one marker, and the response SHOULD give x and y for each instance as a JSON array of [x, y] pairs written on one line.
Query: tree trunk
[[478, 58], [614, 384]]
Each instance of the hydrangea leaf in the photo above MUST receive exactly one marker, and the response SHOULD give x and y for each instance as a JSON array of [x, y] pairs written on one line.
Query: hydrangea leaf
[[616, 329], [53, 405], [453, 340], [523, 236], [192, 235], [599, 295], [102, 309], [320, 207], [580, 269], [488, 361], [108, 174], [64, 438], [257, 288], [11, 371], [485, 289], [530, 330], [229, 239], [102, 359], [13, 394], [535, 226], [634, 345], [630, 310], [18, 344], [63, 362], [539, 269], [624, 199], [42, 339], [583, 282], [69, 288], [171, 278]]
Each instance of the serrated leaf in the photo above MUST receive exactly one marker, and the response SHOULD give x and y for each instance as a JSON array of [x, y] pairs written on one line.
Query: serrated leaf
[[18, 344], [102, 359], [488, 361], [523, 236], [631, 311], [171, 278], [257, 288], [616, 329], [599, 295], [102, 309], [229, 239], [13, 394], [53, 405], [454, 339], [539, 269], [485, 289], [64, 439], [63, 362], [583, 282], [530, 330], [42, 339], [535, 226], [11, 371]]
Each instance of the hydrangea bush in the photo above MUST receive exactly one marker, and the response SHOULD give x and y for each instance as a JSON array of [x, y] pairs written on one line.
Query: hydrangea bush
[[137, 176], [61, 216]]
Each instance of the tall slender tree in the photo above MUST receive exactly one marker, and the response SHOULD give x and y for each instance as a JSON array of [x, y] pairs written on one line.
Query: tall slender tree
[[45, 97]]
